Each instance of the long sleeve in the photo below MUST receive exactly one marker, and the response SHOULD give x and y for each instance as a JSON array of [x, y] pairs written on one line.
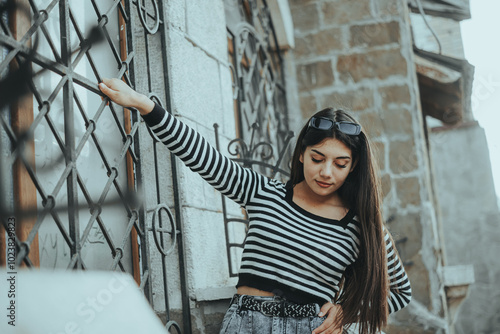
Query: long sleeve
[[399, 284], [232, 180]]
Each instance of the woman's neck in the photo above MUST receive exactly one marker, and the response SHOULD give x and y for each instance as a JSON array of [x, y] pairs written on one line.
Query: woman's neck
[[331, 207], [304, 194]]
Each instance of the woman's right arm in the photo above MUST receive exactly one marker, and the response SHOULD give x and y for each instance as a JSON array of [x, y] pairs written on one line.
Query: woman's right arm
[[222, 173]]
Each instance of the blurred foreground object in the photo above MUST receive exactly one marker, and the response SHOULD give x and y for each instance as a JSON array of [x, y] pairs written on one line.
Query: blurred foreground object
[[77, 302]]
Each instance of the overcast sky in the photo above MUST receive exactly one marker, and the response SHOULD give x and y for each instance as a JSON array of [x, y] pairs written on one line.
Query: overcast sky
[[482, 49]]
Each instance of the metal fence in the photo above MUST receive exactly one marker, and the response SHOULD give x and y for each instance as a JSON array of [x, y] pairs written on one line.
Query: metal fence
[[71, 164]]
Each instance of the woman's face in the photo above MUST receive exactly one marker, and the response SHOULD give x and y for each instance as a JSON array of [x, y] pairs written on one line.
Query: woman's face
[[326, 166]]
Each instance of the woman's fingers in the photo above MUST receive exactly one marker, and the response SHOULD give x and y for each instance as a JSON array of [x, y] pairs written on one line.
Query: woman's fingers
[[108, 81], [117, 91], [117, 86], [328, 326], [325, 309], [105, 89], [120, 93]]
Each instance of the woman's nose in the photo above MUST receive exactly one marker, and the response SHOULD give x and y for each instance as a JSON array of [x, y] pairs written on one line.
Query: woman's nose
[[326, 171]]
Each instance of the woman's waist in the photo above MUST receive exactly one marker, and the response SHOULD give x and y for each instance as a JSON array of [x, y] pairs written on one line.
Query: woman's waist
[[250, 291], [255, 285]]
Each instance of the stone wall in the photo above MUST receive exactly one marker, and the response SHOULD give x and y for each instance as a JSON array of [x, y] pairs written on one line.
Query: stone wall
[[471, 221], [358, 56]]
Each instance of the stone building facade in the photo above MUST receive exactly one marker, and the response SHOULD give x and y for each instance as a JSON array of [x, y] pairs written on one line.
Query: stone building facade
[[423, 127], [364, 56]]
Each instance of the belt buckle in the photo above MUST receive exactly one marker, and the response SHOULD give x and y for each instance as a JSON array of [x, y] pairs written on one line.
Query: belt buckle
[[262, 308]]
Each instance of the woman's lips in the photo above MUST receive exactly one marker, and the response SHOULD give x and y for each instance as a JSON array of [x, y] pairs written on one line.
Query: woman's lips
[[323, 184]]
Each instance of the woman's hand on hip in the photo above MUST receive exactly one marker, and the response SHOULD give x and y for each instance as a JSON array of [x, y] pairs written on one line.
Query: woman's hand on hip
[[120, 93], [333, 311]]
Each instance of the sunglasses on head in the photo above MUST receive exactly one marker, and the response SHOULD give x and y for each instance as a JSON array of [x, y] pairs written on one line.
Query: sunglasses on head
[[348, 128]]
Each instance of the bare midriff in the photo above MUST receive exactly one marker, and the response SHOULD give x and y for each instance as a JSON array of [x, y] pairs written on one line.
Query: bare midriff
[[246, 290]]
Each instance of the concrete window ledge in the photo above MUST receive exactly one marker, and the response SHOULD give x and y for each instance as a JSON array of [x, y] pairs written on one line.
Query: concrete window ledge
[[458, 275], [457, 280], [212, 294]]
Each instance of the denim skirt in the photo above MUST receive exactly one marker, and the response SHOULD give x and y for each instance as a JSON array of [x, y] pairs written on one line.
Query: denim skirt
[[245, 321]]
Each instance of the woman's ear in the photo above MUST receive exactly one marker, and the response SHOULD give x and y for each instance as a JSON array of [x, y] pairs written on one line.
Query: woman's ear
[[301, 157]]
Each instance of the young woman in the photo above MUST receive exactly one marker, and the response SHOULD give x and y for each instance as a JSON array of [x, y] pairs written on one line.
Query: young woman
[[317, 257]]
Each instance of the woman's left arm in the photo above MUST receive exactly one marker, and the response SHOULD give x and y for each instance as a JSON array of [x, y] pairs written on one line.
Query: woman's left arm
[[399, 284]]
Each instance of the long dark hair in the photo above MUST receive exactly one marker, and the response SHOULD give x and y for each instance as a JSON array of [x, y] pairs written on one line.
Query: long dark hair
[[364, 286]]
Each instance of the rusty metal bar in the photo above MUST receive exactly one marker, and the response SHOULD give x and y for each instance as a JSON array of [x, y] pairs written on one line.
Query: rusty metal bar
[[70, 153]]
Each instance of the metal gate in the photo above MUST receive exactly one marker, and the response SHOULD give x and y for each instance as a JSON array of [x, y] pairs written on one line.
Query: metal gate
[[71, 166]]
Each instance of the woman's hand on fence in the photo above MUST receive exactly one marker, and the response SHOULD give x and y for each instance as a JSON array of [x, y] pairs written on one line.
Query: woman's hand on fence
[[330, 325], [120, 93]]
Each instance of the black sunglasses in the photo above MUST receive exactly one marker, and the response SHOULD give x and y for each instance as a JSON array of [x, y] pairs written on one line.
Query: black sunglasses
[[348, 128]]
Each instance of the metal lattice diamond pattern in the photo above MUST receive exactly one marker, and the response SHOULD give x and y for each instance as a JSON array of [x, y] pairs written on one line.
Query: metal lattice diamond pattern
[[258, 66], [86, 161]]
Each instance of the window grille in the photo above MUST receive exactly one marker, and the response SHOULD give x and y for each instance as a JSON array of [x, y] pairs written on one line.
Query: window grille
[[76, 162]]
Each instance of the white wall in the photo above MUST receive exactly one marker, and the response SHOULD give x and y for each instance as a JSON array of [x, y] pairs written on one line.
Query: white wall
[[201, 95]]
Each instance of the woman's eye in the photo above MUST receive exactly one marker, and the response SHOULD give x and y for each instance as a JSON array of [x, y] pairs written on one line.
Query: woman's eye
[[315, 160], [342, 166]]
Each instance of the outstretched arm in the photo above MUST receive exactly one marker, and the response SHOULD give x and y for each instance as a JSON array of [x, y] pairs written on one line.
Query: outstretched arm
[[232, 180]]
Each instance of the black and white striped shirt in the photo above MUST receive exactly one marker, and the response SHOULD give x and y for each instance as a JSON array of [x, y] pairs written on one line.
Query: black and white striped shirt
[[288, 250]]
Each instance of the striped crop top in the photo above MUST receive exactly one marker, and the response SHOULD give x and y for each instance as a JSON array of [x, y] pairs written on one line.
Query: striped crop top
[[288, 250]]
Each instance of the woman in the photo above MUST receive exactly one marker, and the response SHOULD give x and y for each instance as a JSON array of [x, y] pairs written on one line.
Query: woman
[[317, 257]]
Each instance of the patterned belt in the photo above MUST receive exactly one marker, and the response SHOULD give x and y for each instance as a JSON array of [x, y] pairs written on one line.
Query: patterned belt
[[276, 308]]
